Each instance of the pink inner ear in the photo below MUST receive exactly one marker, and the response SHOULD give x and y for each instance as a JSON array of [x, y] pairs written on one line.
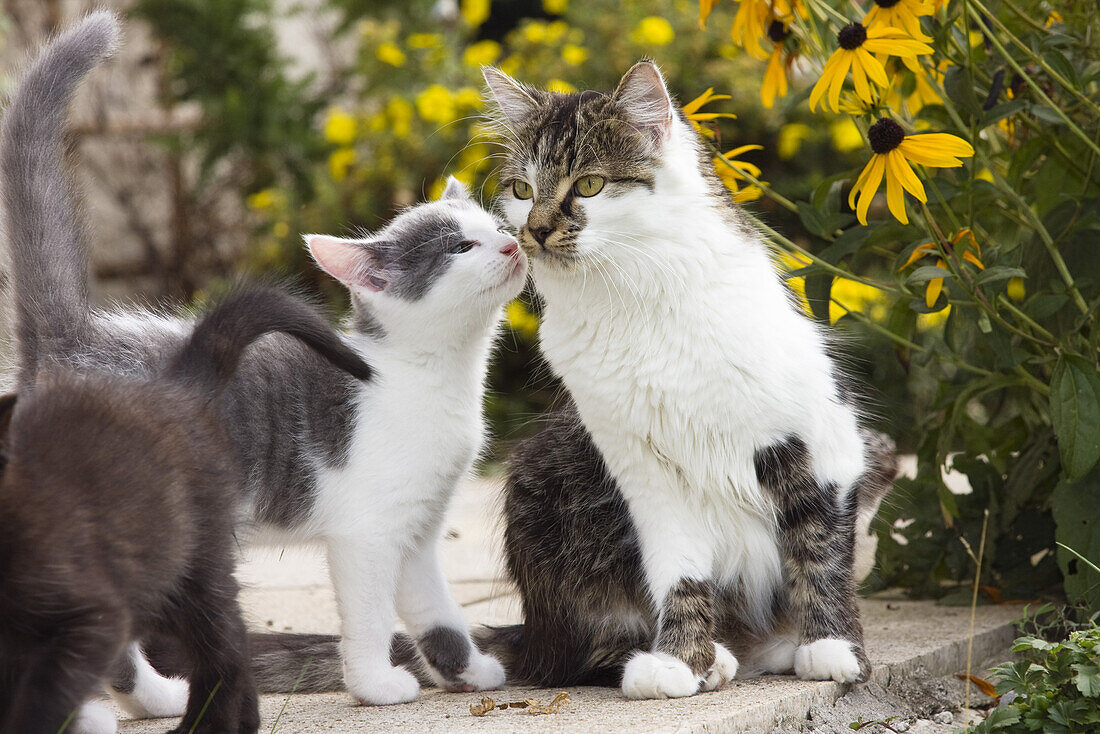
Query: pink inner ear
[[347, 261]]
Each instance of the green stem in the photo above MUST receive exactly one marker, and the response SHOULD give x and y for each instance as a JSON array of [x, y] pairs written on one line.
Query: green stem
[[1033, 381], [768, 190], [1034, 85], [1007, 304], [1025, 17]]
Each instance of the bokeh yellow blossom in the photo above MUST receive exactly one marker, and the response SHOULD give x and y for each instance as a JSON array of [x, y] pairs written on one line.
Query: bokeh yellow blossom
[[390, 53], [482, 53], [520, 319], [1015, 289], [424, 40], [653, 30], [400, 114], [340, 127], [574, 54], [263, 199], [475, 12], [560, 86], [846, 135], [469, 98], [555, 7], [436, 104], [791, 137], [339, 162]]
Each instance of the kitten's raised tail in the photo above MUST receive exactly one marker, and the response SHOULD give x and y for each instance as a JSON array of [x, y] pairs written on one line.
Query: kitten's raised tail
[[48, 258], [211, 355]]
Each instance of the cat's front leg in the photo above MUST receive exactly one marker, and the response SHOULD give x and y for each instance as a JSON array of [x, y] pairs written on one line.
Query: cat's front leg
[[816, 538], [684, 658], [364, 575], [435, 621]]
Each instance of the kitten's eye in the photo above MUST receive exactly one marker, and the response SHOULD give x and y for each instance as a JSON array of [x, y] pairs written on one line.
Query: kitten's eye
[[588, 186], [461, 247], [522, 189]]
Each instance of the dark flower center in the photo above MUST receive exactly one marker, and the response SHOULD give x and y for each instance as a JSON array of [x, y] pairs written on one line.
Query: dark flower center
[[851, 36], [777, 31], [886, 3], [885, 135]]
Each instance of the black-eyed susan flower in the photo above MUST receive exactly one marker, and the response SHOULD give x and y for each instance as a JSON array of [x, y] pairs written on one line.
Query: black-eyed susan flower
[[705, 6], [857, 44], [691, 111], [893, 151], [903, 14], [963, 242], [775, 75], [750, 25], [732, 172]]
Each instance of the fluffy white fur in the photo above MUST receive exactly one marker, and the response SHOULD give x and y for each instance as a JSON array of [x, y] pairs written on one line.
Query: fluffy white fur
[[685, 355], [93, 718], [154, 696]]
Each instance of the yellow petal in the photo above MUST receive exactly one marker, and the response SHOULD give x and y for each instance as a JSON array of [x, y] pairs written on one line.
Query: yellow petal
[[860, 179], [921, 251], [895, 196], [936, 149], [859, 78], [870, 186], [971, 257], [933, 293], [905, 175], [826, 77], [838, 80], [743, 149], [873, 67]]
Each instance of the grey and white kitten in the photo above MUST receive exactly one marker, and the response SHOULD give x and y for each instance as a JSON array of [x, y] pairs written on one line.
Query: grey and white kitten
[[368, 470], [693, 504]]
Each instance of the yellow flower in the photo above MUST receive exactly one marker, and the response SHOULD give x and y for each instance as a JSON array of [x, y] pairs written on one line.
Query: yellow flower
[[851, 295], [846, 136], [535, 32], [520, 319], [436, 104], [389, 53], [340, 127], [469, 97], [856, 46], [555, 7], [902, 14], [482, 53], [705, 6], [691, 110], [560, 86], [1015, 289], [574, 54], [893, 150], [400, 114], [1054, 17], [424, 40], [339, 163], [971, 252], [750, 25], [653, 30], [732, 172], [775, 76], [555, 30], [280, 229], [263, 199], [790, 140], [475, 12]]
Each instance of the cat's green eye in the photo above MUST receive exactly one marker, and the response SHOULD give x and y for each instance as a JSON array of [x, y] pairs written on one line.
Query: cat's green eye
[[588, 185], [522, 189]]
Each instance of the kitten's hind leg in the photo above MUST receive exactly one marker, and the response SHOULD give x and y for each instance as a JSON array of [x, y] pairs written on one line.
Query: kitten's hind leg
[[435, 621], [364, 573], [817, 537], [144, 693]]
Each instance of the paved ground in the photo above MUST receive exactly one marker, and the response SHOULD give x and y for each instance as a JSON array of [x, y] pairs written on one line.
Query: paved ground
[[913, 645]]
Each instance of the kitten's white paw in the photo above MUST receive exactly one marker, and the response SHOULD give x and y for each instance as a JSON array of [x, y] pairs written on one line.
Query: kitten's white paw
[[657, 675], [484, 673], [827, 659], [776, 655], [154, 697], [723, 671], [383, 686], [94, 718]]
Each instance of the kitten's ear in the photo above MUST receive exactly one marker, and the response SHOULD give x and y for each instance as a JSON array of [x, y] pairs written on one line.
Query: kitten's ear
[[455, 189], [516, 101], [352, 262], [643, 97]]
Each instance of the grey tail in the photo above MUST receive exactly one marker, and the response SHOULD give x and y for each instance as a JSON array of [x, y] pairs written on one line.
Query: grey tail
[[211, 355], [287, 662], [48, 257]]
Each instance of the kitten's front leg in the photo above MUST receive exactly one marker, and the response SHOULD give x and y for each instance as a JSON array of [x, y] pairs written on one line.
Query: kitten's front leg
[[817, 538], [684, 658], [364, 574], [435, 621]]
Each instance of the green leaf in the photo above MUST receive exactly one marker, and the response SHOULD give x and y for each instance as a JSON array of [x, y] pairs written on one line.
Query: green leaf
[[819, 286], [1075, 414], [999, 272], [1076, 510], [1046, 114], [1001, 111], [926, 273]]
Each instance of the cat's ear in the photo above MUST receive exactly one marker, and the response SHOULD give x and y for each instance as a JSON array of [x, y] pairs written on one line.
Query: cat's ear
[[354, 263], [455, 189], [643, 97], [516, 101]]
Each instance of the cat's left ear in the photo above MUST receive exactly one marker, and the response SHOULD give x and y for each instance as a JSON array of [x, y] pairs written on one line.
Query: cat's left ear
[[643, 97], [455, 189]]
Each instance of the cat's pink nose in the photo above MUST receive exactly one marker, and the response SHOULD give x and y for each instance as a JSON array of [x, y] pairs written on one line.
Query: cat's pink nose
[[510, 249]]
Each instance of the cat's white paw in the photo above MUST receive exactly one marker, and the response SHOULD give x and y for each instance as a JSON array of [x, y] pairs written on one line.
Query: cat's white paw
[[154, 697], [382, 686], [657, 675], [776, 655], [723, 670], [484, 673], [94, 718], [827, 659]]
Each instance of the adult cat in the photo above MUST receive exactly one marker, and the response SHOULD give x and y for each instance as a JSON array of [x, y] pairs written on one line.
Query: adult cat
[[698, 492], [366, 469]]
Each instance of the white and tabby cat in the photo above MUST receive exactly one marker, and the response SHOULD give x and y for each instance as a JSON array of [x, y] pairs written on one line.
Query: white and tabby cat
[[698, 492], [367, 469]]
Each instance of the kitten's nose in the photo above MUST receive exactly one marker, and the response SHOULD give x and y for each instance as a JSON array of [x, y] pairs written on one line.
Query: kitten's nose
[[510, 249], [540, 233]]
